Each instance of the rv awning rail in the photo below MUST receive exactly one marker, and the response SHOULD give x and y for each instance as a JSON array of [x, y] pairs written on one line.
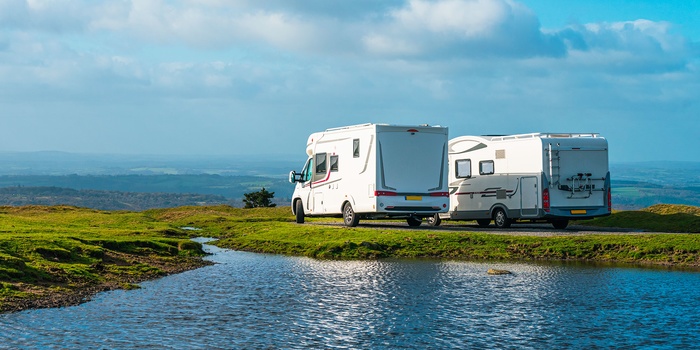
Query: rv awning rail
[[543, 135]]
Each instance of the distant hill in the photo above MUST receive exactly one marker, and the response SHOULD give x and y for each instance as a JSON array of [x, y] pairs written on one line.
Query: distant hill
[[227, 178], [140, 182], [230, 187], [62, 163], [137, 192], [104, 200]]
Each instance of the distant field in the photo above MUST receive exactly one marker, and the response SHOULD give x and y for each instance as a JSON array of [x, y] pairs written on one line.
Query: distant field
[[640, 185], [637, 195], [627, 192], [634, 186], [227, 186]]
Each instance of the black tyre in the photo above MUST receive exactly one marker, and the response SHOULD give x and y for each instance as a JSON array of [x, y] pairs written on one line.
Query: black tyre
[[433, 220], [500, 218], [350, 219], [299, 211], [414, 221], [560, 224], [483, 222]]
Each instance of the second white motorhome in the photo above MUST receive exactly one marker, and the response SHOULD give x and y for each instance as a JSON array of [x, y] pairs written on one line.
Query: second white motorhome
[[529, 177], [373, 171]]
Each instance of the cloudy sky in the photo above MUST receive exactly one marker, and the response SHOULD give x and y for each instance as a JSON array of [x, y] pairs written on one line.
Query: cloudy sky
[[231, 77]]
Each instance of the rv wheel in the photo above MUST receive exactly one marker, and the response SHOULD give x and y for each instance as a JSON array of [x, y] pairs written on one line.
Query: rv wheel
[[434, 220], [483, 222], [501, 219], [299, 211], [350, 219], [414, 221], [560, 224]]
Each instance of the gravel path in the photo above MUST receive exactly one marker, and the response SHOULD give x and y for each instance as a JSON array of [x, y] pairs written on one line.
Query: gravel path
[[525, 229]]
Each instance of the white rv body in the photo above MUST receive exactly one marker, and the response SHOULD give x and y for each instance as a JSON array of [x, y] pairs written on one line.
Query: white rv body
[[373, 171], [528, 177]]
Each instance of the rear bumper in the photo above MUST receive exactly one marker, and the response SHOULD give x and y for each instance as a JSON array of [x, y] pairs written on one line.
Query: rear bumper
[[579, 213], [539, 215], [425, 206]]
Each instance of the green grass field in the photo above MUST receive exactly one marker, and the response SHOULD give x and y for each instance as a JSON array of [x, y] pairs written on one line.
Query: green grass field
[[657, 218], [54, 256]]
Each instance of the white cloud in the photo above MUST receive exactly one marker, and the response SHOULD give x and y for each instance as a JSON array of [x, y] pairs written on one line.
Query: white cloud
[[464, 18], [479, 64], [462, 28]]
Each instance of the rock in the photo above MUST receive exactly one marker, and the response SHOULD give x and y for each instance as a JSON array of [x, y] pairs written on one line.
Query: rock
[[498, 272]]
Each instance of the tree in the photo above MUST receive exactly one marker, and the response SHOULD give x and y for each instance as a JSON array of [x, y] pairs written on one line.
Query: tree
[[259, 199]]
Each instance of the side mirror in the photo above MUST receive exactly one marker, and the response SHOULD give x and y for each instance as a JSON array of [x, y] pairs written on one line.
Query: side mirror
[[292, 176]]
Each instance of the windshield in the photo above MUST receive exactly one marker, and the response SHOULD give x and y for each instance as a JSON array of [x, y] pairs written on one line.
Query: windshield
[[308, 170]]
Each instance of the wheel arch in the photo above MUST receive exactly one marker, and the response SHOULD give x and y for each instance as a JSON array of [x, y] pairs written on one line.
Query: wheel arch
[[499, 206], [348, 199]]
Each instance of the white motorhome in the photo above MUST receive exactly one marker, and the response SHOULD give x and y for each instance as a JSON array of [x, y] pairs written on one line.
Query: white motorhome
[[529, 177], [373, 171]]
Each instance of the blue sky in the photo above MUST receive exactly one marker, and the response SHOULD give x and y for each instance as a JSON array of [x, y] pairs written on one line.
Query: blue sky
[[244, 77]]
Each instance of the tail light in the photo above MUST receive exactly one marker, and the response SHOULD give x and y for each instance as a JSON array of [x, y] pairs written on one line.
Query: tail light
[[439, 194], [609, 200], [545, 200], [384, 193]]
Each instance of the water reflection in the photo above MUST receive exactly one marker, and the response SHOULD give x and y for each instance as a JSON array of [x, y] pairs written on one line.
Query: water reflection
[[263, 301]]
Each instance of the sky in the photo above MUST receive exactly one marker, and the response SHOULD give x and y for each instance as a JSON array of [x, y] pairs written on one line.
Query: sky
[[247, 77]]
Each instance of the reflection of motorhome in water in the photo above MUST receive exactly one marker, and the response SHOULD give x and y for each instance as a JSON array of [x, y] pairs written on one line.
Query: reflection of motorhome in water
[[530, 177], [373, 171]]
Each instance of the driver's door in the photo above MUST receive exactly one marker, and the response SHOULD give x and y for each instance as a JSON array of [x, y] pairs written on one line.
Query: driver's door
[[304, 185]]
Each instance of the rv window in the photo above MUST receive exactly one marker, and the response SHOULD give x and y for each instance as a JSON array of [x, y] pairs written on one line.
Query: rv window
[[463, 168], [334, 163], [486, 167], [321, 167], [320, 163], [356, 148]]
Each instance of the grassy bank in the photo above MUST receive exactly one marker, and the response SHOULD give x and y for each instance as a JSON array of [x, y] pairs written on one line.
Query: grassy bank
[[55, 256], [657, 218], [272, 230]]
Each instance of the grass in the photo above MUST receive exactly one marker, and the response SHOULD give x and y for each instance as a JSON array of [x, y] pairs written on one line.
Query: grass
[[657, 218], [272, 230], [54, 256]]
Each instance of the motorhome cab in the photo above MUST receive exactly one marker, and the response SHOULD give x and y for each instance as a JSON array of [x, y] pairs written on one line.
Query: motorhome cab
[[531, 177], [373, 171]]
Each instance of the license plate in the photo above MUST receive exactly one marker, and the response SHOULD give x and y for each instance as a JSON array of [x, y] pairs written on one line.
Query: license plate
[[414, 198], [578, 212]]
